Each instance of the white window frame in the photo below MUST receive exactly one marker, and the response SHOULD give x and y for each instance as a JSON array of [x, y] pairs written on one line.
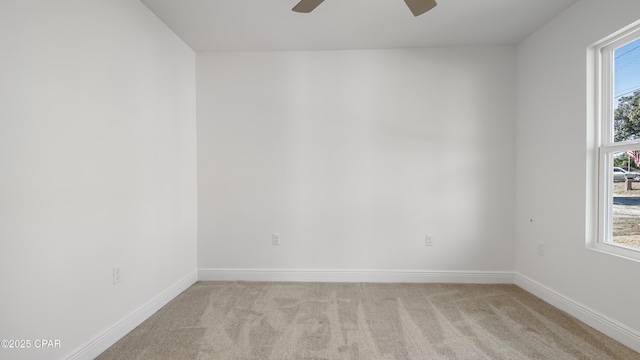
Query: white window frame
[[605, 145]]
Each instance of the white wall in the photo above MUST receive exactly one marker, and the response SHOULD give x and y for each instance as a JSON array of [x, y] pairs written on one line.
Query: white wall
[[354, 156], [555, 177], [97, 167]]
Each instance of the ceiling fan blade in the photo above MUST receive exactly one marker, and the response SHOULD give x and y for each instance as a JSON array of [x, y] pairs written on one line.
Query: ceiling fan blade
[[307, 6], [419, 7]]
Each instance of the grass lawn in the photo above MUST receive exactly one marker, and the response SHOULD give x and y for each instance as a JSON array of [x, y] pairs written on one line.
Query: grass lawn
[[626, 218]]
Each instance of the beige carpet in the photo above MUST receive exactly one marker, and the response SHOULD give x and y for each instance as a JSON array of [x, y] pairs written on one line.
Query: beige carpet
[[305, 321]]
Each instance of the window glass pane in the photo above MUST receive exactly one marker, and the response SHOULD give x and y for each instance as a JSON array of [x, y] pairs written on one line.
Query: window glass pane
[[626, 199], [626, 87]]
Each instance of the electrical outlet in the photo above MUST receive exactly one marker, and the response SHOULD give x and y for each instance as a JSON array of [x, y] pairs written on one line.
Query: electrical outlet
[[275, 239], [541, 249], [428, 240], [116, 274]]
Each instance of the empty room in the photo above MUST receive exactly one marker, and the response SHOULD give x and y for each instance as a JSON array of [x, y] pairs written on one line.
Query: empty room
[[339, 179]]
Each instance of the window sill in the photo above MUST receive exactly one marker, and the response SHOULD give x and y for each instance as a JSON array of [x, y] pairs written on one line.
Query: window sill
[[617, 251]]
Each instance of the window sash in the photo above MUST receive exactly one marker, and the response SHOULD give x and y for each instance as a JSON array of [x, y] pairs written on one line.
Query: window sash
[[607, 147]]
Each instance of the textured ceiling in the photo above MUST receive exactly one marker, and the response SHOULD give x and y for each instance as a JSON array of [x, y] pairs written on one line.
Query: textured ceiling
[[270, 25]]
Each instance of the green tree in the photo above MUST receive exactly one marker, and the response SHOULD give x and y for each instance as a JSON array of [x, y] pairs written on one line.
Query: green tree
[[626, 118], [624, 161]]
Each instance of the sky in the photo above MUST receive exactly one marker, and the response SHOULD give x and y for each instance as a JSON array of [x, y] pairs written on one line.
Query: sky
[[627, 69]]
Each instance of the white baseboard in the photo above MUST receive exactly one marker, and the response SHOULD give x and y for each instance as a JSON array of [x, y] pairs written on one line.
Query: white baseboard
[[103, 341], [381, 276], [606, 325], [598, 321]]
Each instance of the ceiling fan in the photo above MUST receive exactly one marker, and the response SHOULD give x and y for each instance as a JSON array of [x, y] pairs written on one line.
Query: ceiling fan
[[417, 7]]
